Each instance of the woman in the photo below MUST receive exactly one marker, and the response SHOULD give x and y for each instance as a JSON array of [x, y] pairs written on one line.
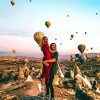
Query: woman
[[53, 71], [47, 56]]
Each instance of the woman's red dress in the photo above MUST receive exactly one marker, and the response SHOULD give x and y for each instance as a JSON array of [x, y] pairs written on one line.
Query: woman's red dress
[[47, 56]]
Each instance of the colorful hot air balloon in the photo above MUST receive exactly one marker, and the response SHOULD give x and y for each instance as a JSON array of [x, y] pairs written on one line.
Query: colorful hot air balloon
[[48, 24], [38, 37], [81, 48], [14, 51], [13, 2]]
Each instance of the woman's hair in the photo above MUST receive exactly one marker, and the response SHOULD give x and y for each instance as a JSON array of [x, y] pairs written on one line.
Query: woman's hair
[[44, 37], [43, 40], [51, 45]]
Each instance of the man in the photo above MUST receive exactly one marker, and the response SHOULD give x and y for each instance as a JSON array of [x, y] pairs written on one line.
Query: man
[[54, 55]]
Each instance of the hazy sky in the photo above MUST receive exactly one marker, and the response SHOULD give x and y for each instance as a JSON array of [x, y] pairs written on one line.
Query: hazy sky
[[19, 23]]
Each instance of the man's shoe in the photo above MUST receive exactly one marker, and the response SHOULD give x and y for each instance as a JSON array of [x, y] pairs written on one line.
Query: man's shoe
[[52, 98]]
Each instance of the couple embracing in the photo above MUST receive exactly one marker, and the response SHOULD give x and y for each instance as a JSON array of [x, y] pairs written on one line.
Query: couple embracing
[[49, 65]]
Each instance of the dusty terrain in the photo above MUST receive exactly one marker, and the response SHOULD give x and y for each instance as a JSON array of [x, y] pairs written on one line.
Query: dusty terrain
[[18, 89]]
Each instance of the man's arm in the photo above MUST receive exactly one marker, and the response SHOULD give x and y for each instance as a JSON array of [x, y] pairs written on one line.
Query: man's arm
[[51, 51], [51, 60], [55, 57]]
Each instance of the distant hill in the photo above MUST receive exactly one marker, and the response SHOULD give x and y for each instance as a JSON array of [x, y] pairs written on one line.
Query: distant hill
[[63, 57], [22, 57], [4, 53]]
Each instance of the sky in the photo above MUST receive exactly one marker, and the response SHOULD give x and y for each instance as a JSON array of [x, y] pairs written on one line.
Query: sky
[[18, 24]]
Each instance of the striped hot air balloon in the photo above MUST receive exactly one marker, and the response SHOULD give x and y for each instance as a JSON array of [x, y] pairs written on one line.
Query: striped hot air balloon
[[38, 37]]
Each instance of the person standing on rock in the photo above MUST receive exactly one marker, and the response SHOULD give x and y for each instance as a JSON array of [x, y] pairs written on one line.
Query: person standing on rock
[[54, 55]]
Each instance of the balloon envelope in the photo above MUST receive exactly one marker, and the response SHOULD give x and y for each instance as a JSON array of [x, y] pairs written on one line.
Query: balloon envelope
[[86, 49], [38, 37], [72, 35], [48, 24], [60, 43], [96, 13], [55, 38], [85, 32], [67, 15], [81, 48], [70, 38], [14, 51], [13, 2], [91, 48]]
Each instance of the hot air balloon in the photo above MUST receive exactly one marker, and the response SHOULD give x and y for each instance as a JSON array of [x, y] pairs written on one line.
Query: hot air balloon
[[85, 32], [70, 38], [96, 13], [67, 15], [86, 49], [60, 43], [55, 39], [91, 48], [81, 48], [13, 2], [38, 37], [48, 24], [72, 35], [14, 51]]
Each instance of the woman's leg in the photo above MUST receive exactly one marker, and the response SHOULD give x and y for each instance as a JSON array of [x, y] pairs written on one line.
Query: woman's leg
[[43, 71]]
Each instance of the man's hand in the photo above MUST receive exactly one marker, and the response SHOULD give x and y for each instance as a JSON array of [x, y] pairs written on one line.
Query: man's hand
[[45, 63]]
